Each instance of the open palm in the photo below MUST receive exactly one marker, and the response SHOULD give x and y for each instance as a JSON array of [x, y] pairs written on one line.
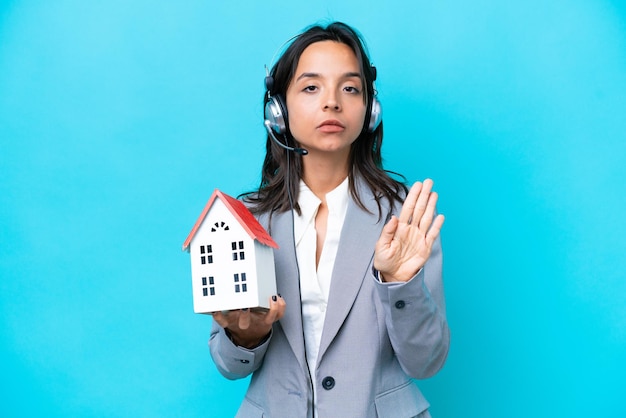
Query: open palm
[[406, 242]]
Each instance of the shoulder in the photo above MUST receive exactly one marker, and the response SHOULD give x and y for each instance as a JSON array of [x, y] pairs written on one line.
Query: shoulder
[[390, 190]]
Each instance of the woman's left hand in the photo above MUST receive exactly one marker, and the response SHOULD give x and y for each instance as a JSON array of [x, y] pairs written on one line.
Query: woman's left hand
[[406, 242]]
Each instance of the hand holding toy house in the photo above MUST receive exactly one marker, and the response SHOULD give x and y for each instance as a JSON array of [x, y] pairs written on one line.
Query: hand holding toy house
[[232, 258]]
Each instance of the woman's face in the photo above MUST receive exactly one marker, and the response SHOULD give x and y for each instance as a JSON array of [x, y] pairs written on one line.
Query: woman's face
[[325, 100]]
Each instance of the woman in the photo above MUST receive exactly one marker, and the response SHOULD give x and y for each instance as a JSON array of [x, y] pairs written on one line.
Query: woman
[[359, 267]]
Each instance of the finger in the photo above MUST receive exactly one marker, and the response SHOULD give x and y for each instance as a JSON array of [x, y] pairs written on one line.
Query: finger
[[434, 230], [244, 319], [429, 214], [422, 201], [409, 203], [276, 311], [388, 232], [270, 315], [281, 306]]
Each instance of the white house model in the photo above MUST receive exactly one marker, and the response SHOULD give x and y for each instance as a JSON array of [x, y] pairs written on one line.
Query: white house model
[[232, 258]]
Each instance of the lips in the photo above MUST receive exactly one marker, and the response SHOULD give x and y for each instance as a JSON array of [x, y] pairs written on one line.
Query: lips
[[330, 126]]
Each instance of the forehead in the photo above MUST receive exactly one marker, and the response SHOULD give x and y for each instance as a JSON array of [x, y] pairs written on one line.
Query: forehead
[[325, 56]]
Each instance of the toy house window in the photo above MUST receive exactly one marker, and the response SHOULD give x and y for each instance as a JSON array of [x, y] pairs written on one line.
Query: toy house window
[[206, 254], [208, 286], [240, 282], [219, 225], [238, 252]]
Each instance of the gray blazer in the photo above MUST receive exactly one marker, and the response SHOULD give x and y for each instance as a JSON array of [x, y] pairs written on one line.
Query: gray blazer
[[377, 336]]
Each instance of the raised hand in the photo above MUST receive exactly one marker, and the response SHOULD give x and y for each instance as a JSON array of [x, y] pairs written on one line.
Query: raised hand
[[405, 243]]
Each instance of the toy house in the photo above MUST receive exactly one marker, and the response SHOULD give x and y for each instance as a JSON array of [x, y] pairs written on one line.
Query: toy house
[[232, 258]]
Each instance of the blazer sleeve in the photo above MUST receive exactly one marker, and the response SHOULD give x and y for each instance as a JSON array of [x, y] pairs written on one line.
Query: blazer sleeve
[[415, 316], [233, 361]]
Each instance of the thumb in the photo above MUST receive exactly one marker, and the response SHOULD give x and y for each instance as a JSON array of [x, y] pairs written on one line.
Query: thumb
[[389, 230]]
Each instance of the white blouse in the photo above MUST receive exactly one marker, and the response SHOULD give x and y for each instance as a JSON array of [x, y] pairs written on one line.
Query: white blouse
[[315, 283]]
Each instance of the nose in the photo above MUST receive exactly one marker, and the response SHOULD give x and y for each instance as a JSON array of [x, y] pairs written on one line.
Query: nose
[[331, 101]]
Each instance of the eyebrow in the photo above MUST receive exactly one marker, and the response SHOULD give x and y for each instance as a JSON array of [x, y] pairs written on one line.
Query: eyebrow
[[317, 75]]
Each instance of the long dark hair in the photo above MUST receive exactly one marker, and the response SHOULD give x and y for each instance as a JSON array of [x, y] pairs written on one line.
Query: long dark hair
[[281, 171]]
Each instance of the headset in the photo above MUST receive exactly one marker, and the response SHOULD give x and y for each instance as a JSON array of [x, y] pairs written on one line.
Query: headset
[[276, 121]]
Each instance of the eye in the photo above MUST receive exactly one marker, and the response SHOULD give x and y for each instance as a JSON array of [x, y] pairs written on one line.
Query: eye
[[351, 90], [309, 89]]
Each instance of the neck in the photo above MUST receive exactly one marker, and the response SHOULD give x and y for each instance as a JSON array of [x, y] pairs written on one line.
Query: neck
[[324, 175]]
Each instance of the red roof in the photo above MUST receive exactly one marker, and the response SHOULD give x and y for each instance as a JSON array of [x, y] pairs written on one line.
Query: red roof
[[243, 216]]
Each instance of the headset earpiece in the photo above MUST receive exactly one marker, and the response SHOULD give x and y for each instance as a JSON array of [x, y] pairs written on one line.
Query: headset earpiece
[[375, 110], [376, 115], [275, 109], [276, 114]]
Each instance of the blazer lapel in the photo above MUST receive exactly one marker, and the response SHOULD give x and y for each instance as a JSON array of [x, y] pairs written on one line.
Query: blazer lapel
[[281, 230], [356, 249]]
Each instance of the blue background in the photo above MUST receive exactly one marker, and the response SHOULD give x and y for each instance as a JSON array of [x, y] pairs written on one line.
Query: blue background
[[118, 118]]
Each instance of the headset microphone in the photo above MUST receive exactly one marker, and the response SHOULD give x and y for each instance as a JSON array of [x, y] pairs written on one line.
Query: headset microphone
[[270, 131]]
